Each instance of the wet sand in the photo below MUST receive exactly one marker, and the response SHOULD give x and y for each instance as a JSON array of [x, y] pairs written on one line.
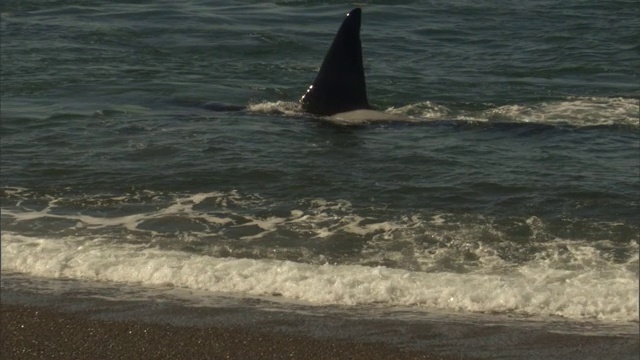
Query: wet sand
[[38, 333]]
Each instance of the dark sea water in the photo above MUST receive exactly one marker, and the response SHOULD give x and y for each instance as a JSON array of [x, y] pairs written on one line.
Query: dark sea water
[[513, 190]]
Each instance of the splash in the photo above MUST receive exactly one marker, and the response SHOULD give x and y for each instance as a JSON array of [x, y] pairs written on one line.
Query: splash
[[573, 111], [277, 108]]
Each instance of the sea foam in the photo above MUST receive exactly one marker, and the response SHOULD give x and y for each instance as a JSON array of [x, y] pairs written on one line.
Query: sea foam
[[608, 292]]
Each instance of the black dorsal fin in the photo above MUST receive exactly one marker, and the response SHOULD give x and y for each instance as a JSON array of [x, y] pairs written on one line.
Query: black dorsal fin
[[340, 84]]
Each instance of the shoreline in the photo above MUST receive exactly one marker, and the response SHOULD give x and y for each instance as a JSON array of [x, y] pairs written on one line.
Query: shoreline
[[37, 332], [58, 319], [30, 332]]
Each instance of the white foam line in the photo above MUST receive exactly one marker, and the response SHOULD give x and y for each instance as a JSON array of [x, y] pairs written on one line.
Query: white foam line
[[181, 207], [608, 292]]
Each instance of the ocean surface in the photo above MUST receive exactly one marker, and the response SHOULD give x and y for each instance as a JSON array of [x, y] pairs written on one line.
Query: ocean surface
[[513, 192]]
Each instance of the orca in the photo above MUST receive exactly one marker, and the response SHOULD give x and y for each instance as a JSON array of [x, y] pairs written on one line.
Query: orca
[[339, 90]]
